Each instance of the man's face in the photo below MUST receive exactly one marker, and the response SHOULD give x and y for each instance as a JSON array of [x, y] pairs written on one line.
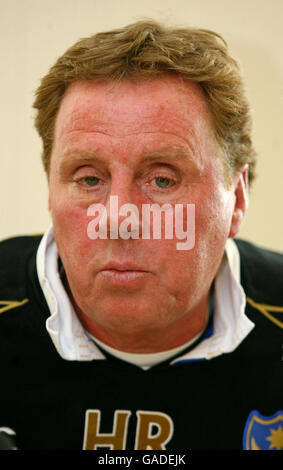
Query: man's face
[[147, 142]]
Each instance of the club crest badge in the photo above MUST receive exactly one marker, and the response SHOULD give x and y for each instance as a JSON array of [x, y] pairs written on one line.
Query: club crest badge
[[263, 432]]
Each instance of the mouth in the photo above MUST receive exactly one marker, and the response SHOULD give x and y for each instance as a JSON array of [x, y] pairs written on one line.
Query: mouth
[[123, 273], [122, 266]]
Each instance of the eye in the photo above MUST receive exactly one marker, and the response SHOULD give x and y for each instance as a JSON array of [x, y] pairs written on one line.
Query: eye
[[162, 182], [91, 180]]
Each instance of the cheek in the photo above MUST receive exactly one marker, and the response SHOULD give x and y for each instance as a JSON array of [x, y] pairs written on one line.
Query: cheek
[[212, 220], [214, 212], [70, 227]]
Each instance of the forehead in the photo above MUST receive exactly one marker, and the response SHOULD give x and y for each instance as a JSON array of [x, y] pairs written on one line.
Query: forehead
[[165, 104]]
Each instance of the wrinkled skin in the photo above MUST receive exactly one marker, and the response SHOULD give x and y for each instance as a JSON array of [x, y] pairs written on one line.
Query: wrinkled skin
[[104, 137]]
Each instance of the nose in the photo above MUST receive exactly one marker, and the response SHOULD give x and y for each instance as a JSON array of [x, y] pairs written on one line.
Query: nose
[[122, 214], [122, 188]]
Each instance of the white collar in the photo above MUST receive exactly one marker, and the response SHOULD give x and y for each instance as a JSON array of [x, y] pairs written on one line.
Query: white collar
[[230, 324]]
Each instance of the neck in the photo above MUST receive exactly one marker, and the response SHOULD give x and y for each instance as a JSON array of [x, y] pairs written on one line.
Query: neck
[[154, 339]]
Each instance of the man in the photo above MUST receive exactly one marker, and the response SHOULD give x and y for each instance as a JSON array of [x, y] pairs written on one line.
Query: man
[[115, 333]]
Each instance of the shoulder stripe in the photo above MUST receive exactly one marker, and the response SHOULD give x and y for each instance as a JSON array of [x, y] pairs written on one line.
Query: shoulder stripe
[[266, 309], [10, 304]]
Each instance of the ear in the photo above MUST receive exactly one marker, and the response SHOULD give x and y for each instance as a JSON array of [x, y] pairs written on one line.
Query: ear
[[241, 200]]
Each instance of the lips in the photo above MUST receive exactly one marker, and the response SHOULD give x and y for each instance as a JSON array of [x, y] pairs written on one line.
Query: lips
[[123, 273], [122, 266]]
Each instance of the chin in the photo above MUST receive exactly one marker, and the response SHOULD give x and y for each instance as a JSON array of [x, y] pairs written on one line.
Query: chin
[[127, 315]]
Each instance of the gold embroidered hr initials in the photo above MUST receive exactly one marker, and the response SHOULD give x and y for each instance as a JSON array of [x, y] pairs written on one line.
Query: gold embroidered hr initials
[[146, 435]]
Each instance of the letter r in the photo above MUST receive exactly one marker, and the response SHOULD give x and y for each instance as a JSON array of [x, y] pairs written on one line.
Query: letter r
[[147, 420]]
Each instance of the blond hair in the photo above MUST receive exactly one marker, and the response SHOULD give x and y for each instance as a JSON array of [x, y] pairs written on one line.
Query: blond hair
[[148, 49]]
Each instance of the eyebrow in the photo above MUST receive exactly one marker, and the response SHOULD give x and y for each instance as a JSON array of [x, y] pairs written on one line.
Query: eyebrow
[[68, 159], [171, 155], [176, 154]]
